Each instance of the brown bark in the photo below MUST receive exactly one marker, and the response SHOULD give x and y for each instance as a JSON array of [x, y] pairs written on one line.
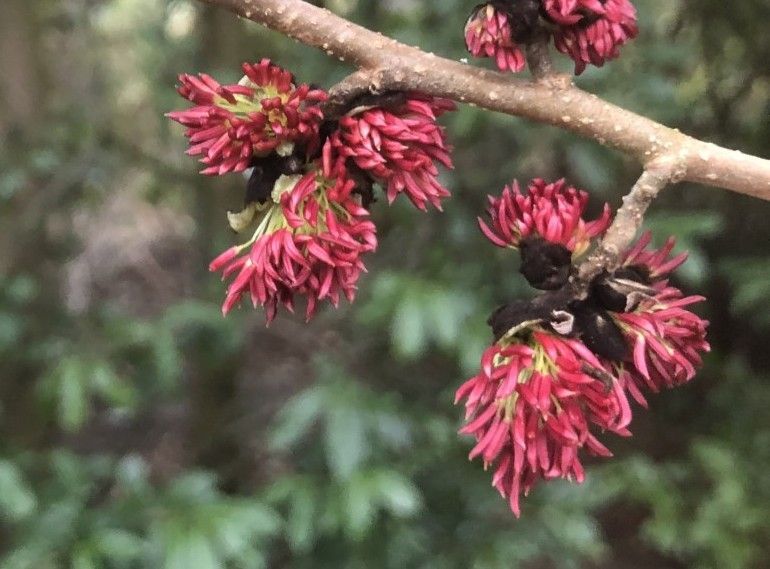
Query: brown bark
[[383, 64], [387, 64]]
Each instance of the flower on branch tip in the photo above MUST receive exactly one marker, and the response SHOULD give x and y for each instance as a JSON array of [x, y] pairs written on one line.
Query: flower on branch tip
[[488, 34], [591, 31], [265, 112], [587, 31], [553, 212], [665, 337], [309, 242], [399, 147], [667, 340], [531, 408]]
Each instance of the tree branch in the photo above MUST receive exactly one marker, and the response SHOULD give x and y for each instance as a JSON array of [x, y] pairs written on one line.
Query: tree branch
[[386, 64], [628, 220]]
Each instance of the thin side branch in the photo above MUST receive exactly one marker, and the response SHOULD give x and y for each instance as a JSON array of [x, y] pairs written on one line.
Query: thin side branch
[[386, 64], [540, 62], [629, 217]]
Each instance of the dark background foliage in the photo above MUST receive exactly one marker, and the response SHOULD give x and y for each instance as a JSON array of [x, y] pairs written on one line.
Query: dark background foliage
[[140, 429]]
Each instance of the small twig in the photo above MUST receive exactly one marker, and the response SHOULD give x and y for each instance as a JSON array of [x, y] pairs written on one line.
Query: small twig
[[539, 57], [656, 176], [541, 65]]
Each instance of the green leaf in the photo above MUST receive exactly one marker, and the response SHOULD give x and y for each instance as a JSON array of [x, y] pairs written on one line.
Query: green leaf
[[73, 402], [10, 330], [114, 389], [297, 416], [119, 545], [191, 550], [359, 497], [17, 500], [84, 558], [303, 510], [408, 333], [345, 441], [397, 493]]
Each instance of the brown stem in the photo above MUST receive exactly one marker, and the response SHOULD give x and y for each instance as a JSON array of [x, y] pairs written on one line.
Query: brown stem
[[541, 65], [389, 65], [629, 217], [384, 64]]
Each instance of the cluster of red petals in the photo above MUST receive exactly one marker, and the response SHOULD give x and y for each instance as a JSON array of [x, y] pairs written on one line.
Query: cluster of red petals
[[400, 147], [312, 246], [538, 393], [488, 34], [231, 124], [591, 31], [531, 409], [666, 338], [667, 342], [658, 263], [551, 211]]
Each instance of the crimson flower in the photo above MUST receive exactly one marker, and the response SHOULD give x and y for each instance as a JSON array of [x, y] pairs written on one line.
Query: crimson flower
[[667, 342], [488, 34], [265, 112], [591, 31], [399, 147], [309, 242], [656, 262], [551, 211], [666, 338], [531, 408]]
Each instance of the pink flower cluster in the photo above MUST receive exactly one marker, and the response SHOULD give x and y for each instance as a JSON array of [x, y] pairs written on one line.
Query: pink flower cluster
[[308, 197], [552, 211], [588, 31], [539, 393], [531, 409], [231, 124], [311, 243], [592, 31], [399, 147], [488, 34], [666, 339]]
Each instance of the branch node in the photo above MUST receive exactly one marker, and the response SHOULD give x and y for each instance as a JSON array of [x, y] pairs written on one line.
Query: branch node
[[657, 175]]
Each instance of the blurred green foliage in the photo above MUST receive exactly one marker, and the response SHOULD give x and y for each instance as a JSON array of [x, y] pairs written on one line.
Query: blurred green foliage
[[140, 429]]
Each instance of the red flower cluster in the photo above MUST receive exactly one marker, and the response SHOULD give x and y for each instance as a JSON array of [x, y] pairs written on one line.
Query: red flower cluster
[[531, 407], [309, 184], [588, 31], [541, 387], [265, 112], [592, 31], [666, 338], [310, 243], [488, 34], [551, 211], [399, 147]]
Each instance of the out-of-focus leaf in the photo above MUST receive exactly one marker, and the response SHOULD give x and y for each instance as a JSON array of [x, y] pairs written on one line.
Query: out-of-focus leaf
[[396, 493], [345, 441], [189, 550], [359, 504], [408, 333], [119, 545], [303, 511], [71, 381], [17, 501], [749, 277], [296, 418]]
